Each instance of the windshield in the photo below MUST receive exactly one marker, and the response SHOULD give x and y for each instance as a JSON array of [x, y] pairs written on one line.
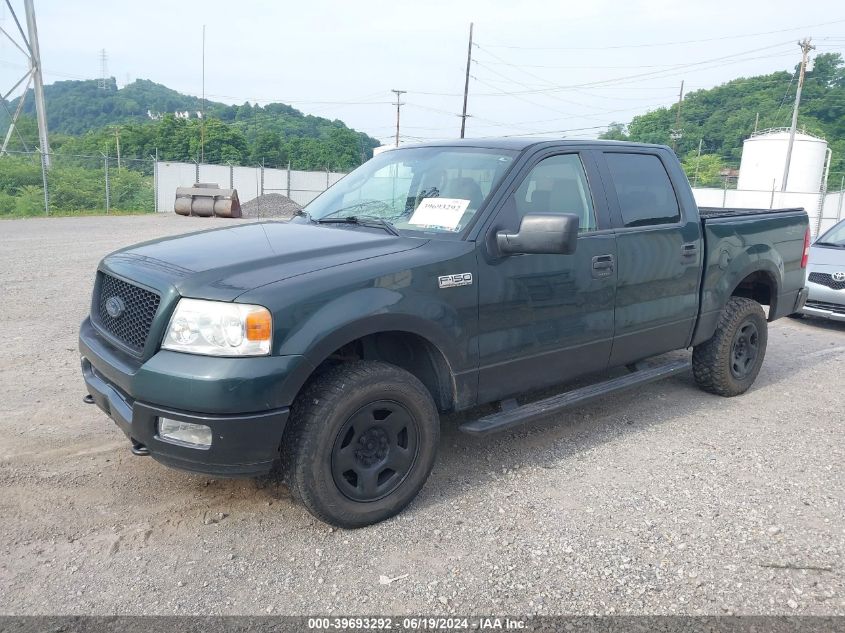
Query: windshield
[[420, 189], [834, 237]]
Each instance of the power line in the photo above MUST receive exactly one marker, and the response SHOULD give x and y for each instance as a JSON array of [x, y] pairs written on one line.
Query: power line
[[655, 74], [785, 94], [675, 43]]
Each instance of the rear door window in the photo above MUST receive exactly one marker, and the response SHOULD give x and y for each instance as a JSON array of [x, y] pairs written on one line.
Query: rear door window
[[645, 193]]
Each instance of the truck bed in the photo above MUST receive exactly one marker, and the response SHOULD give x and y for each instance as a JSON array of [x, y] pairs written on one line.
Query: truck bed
[[738, 242], [732, 212]]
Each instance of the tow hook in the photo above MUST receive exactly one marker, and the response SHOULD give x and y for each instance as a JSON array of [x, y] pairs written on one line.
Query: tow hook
[[139, 449], [88, 399]]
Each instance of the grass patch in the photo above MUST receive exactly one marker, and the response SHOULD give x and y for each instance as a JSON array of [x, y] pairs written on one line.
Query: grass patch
[[17, 215]]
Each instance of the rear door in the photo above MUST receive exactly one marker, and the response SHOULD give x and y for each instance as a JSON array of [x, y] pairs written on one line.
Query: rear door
[[545, 318], [658, 242]]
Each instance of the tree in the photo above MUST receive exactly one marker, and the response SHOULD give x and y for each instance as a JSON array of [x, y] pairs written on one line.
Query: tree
[[725, 115], [222, 143], [703, 171], [615, 132], [268, 150]]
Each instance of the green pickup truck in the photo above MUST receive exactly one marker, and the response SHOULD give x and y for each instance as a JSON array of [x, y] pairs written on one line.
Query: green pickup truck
[[433, 278]]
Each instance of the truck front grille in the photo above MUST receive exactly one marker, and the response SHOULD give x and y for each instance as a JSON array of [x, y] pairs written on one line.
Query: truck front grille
[[824, 279], [133, 311]]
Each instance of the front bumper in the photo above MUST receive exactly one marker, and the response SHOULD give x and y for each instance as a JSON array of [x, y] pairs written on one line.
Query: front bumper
[[824, 302], [134, 395]]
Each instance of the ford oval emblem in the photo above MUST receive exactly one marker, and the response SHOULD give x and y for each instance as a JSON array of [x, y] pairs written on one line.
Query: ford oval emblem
[[838, 276], [115, 306]]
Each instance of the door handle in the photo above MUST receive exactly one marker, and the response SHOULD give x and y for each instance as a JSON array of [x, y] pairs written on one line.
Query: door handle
[[602, 265], [689, 250]]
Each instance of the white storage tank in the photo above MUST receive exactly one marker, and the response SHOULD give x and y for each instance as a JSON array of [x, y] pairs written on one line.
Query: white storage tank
[[764, 157]]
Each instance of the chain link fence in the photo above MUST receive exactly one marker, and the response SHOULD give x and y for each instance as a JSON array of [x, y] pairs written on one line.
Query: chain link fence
[[75, 184], [78, 184]]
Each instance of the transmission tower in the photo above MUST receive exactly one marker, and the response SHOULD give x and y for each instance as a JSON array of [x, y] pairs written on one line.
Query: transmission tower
[[27, 44], [102, 84]]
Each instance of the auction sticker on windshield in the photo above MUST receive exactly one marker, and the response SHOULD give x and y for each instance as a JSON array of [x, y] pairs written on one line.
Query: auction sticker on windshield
[[439, 213]]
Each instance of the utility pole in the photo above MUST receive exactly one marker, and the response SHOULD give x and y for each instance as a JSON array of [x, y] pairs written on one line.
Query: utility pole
[[202, 103], [756, 122], [466, 83], [806, 47], [117, 145], [398, 105], [676, 133], [697, 163], [37, 81]]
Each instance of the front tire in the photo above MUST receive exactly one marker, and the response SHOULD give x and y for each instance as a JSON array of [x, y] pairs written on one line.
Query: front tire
[[729, 362], [361, 443]]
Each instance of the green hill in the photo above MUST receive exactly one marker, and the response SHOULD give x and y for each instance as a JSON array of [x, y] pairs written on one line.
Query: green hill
[[722, 117], [84, 119]]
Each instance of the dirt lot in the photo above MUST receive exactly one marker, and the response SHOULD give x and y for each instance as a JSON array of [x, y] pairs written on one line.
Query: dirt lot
[[665, 500]]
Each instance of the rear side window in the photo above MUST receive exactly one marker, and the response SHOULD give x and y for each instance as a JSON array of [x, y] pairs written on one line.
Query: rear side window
[[642, 185]]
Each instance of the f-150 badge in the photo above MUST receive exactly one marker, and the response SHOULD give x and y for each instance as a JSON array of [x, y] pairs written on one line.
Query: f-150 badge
[[451, 281]]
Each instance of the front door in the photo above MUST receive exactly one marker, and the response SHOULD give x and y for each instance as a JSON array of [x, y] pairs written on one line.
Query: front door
[[544, 319]]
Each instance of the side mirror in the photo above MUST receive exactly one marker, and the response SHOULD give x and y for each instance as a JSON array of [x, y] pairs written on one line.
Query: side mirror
[[542, 233]]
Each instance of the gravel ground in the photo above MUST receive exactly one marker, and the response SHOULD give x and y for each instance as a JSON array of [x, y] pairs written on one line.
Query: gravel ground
[[665, 500]]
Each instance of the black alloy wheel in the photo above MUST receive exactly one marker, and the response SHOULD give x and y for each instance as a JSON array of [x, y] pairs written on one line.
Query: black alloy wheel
[[744, 350], [375, 450]]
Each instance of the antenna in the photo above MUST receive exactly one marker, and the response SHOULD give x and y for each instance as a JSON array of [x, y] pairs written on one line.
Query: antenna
[[101, 82], [202, 103]]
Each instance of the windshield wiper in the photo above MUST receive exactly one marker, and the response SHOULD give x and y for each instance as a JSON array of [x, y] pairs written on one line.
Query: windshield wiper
[[362, 205], [833, 244], [362, 221]]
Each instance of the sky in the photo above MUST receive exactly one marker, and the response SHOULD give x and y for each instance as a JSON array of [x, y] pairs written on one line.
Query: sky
[[564, 69]]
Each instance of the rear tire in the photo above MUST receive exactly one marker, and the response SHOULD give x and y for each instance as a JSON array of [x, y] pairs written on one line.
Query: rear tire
[[729, 362], [361, 443]]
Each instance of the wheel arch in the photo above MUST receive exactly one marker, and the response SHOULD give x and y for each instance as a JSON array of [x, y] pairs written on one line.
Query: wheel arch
[[760, 285], [391, 340], [756, 279]]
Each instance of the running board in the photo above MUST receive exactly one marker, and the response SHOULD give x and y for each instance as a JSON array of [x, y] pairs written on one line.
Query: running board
[[509, 418]]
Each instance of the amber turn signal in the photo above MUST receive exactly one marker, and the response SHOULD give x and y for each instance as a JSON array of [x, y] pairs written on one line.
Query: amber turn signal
[[259, 325]]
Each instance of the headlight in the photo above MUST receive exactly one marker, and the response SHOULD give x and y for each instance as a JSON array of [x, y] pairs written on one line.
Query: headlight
[[217, 328]]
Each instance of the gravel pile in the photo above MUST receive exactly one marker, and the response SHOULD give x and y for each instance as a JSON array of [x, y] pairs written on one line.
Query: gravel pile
[[270, 205]]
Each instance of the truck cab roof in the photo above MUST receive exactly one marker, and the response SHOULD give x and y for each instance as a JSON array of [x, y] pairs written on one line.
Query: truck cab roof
[[520, 143]]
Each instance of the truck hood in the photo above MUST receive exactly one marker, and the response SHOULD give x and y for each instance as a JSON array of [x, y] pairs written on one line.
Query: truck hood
[[825, 256], [222, 264]]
